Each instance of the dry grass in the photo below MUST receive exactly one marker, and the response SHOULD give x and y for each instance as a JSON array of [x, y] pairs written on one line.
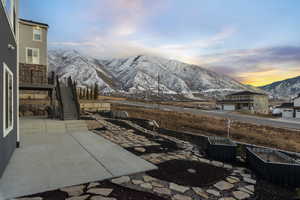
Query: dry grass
[[244, 132]]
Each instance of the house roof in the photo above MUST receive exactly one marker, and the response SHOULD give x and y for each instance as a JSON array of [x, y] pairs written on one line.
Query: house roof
[[245, 93], [33, 22]]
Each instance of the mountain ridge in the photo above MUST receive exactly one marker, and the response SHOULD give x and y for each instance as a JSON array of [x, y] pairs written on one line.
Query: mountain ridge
[[285, 89], [140, 73]]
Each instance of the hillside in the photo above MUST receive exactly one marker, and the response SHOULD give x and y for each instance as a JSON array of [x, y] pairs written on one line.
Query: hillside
[[141, 74]]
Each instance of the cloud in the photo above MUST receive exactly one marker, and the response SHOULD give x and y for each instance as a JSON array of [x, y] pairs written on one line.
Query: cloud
[[256, 66], [214, 40], [123, 16]]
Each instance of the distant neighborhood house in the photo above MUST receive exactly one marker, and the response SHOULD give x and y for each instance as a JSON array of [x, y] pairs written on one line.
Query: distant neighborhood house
[[292, 109], [245, 100]]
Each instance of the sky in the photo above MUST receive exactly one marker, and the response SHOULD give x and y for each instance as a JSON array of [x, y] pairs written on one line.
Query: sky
[[255, 42]]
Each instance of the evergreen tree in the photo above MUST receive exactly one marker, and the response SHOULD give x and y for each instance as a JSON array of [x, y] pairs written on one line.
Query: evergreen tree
[[96, 91]]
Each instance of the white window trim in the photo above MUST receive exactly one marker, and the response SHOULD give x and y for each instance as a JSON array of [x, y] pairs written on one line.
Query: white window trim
[[41, 35], [7, 131], [38, 51]]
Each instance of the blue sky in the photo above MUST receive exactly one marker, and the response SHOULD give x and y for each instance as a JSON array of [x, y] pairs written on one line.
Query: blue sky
[[256, 42]]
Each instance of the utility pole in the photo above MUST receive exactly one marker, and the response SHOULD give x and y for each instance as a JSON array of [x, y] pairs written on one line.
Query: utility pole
[[228, 127]]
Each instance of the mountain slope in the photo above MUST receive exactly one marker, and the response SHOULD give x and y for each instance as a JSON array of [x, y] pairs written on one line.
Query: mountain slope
[[284, 89], [141, 73]]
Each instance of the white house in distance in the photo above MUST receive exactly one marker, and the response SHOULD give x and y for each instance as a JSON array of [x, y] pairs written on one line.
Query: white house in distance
[[291, 110], [297, 107]]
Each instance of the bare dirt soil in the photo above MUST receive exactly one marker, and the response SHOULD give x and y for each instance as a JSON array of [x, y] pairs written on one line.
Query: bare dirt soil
[[215, 126]]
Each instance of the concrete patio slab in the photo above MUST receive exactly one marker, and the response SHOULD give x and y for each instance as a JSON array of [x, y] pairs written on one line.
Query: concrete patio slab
[[51, 157]]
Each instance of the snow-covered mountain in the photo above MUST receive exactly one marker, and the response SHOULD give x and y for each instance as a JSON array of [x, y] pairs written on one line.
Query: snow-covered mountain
[[288, 88], [141, 73]]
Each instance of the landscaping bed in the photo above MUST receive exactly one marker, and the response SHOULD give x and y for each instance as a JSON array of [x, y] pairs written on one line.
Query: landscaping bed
[[189, 173], [222, 149], [274, 166]]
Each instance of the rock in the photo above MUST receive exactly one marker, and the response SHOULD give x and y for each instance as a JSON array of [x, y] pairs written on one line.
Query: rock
[[91, 185], [181, 197], [164, 191], [227, 198], [155, 184], [101, 191], [102, 198], [192, 171], [244, 189], [84, 197], [240, 195], [204, 160], [213, 192], [148, 178], [223, 185], [200, 192], [246, 175], [232, 179], [73, 191], [31, 198], [137, 182], [178, 188], [249, 180], [217, 163], [123, 179], [146, 186], [140, 149], [227, 166], [250, 188]]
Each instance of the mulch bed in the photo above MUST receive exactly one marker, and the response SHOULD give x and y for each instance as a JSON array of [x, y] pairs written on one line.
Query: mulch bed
[[267, 191], [178, 171]]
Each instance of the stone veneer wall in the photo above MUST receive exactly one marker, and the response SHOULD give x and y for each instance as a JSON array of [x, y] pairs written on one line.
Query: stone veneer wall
[[33, 74]]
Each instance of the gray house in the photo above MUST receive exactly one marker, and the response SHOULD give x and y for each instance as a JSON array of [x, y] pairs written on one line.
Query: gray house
[[9, 134]]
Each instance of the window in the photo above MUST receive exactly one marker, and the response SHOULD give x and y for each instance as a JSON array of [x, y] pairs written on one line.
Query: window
[[8, 100], [32, 56], [37, 34]]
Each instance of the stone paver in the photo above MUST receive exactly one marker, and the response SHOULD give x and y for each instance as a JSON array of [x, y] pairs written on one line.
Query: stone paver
[[102, 198], [146, 186], [213, 192], [178, 188], [73, 191], [249, 180], [84, 197], [200, 192], [232, 179], [164, 191], [91, 185], [137, 182], [240, 195], [181, 197], [100, 191], [148, 178], [223, 185], [120, 180]]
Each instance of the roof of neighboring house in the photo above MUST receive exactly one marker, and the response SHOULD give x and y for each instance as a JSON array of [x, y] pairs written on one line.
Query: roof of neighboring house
[[245, 93], [33, 22], [286, 105]]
